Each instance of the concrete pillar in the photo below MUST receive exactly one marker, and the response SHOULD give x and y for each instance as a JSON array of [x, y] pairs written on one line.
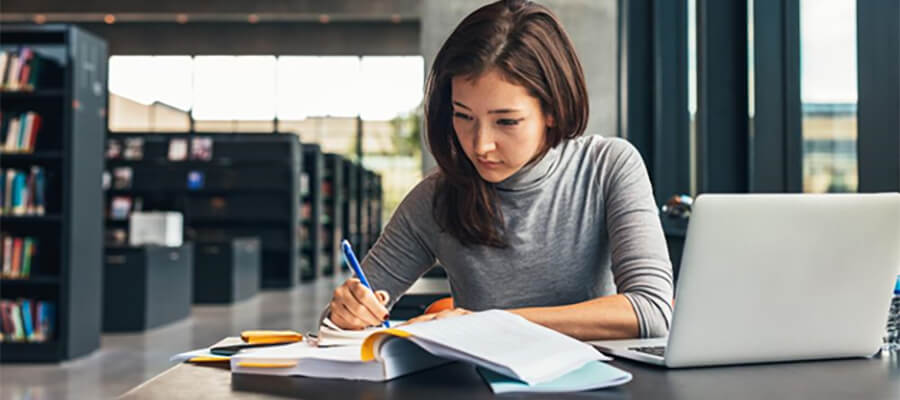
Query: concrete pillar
[[592, 25]]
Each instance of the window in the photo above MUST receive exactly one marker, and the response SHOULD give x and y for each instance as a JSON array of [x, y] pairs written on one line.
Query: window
[[828, 87], [316, 98]]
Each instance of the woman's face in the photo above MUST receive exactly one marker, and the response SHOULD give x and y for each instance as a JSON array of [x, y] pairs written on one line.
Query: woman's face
[[499, 125]]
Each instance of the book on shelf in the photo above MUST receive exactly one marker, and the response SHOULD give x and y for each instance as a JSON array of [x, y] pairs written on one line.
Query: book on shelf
[[19, 131], [113, 149], [178, 149], [202, 148], [122, 178], [120, 207], [195, 180], [18, 256], [23, 193], [27, 320], [22, 70], [134, 149]]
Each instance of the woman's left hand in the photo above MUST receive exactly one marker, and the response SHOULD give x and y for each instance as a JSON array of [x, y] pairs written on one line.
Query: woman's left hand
[[443, 314]]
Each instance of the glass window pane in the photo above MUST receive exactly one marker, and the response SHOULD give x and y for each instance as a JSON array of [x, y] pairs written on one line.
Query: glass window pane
[[317, 86], [391, 86], [150, 93], [230, 88], [828, 95]]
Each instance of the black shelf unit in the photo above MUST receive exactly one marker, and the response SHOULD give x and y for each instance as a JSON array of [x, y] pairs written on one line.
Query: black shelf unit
[[374, 197], [146, 287], [312, 236], [350, 205], [71, 99], [333, 194], [250, 187], [364, 235]]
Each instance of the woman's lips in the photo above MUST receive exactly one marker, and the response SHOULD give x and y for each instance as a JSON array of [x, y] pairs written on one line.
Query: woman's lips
[[489, 163]]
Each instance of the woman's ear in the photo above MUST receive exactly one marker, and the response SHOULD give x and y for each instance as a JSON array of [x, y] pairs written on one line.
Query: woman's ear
[[551, 122]]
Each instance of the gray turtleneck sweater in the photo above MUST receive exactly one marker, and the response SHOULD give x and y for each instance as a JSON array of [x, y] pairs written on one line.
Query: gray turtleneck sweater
[[581, 223]]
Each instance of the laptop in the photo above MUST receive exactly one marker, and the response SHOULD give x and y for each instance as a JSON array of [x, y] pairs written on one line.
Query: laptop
[[779, 277]]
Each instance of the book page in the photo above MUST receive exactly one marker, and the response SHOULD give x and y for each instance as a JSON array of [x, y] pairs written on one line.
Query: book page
[[494, 338]]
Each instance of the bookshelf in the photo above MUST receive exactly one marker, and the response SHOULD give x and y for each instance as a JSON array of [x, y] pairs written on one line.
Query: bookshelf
[[333, 194], [68, 93], [227, 185], [350, 201], [362, 204], [374, 195], [314, 219]]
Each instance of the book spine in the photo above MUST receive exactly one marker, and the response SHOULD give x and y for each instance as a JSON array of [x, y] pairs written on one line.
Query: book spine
[[16, 316], [4, 66], [11, 134], [7, 202], [37, 64], [27, 325], [7, 255], [26, 131], [16, 258], [23, 80], [18, 189], [40, 191], [49, 331], [35, 128], [23, 126], [27, 255], [6, 323], [13, 72], [28, 197]]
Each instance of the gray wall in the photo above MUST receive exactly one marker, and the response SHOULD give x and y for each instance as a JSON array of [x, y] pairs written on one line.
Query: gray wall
[[592, 25]]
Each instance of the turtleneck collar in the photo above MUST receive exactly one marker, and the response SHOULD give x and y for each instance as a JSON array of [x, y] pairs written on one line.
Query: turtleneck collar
[[533, 173]]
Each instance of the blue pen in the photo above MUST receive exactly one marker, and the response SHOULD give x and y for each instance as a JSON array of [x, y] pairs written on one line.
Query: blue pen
[[350, 258]]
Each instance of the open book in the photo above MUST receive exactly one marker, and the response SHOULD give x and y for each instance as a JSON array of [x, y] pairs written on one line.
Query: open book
[[495, 340]]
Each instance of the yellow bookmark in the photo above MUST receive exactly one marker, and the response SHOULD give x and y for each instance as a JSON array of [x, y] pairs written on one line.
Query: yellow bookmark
[[249, 364]]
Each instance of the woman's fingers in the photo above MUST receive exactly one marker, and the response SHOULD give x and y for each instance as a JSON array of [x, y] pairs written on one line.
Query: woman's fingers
[[366, 298], [383, 296], [352, 306]]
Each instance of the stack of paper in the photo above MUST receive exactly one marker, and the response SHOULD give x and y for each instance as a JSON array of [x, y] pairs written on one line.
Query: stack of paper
[[495, 340]]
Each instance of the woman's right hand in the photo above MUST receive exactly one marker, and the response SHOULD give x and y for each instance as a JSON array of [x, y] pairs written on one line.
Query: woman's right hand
[[354, 306]]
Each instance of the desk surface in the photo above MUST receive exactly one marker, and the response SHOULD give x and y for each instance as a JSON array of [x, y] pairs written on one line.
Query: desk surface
[[872, 379]]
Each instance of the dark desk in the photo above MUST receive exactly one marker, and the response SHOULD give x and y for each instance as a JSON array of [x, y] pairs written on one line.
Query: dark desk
[[874, 379]]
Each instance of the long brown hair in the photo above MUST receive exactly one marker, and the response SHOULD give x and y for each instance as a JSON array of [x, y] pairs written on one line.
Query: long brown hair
[[526, 43]]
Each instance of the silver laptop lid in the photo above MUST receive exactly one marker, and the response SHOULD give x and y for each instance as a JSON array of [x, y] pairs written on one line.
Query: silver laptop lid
[[785, 277]]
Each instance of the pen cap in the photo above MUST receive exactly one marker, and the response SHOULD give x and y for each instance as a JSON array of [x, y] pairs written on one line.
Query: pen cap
[[897, 286]]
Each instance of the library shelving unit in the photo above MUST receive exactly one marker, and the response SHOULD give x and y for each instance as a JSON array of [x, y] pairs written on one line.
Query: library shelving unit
[[312, 236], [70, 96], [333, 201], [350, 202], [374, 203], [362, 205], [227, 185]]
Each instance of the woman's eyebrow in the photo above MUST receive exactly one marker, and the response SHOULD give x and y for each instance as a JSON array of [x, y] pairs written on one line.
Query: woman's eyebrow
[[497, 111], [504, 111], [461, 105]]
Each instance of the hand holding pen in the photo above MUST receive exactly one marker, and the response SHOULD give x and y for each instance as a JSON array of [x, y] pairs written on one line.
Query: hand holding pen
[[354, 304]]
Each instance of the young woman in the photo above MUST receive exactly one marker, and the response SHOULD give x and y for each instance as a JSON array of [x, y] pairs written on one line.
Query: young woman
[[524, 214]]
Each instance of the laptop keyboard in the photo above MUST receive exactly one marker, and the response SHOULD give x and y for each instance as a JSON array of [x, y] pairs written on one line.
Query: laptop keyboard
[[659, 351]]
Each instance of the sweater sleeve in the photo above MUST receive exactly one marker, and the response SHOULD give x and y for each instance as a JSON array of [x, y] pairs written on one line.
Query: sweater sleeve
[[404, 251], [638, 253]]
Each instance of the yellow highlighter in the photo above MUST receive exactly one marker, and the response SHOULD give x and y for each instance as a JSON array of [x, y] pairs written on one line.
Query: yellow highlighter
[[258, 338], [270, 337]]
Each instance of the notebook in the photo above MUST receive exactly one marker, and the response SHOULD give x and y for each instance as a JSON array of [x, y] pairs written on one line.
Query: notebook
[[591, 376], [332, 335], [495, 340]]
